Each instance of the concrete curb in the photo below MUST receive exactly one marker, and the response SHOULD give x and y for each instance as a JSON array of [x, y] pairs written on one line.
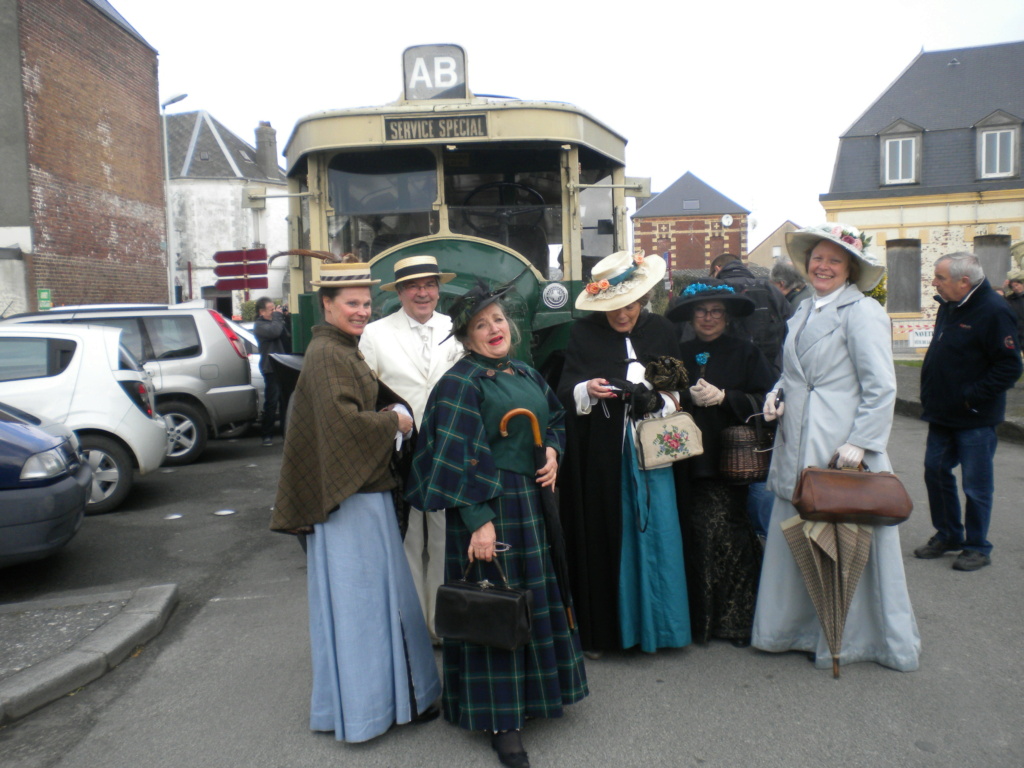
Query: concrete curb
[[141, 619]]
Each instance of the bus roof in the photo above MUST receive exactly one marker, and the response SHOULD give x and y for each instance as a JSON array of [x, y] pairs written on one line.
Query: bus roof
[[410, 123]]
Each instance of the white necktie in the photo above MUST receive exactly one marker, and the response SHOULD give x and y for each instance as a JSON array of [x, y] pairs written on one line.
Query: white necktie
[[425, 338]]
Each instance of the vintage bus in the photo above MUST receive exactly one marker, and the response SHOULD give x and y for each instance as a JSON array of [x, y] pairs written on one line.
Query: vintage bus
[[494, 187]]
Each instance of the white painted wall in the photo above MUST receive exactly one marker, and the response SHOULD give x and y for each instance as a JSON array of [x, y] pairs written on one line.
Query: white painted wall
[[207, 216]]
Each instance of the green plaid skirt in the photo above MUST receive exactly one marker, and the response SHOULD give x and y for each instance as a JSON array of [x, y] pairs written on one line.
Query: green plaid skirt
[[493, 689]]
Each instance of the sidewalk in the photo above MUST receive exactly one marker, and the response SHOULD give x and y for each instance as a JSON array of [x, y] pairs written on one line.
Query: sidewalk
[[48, 648]]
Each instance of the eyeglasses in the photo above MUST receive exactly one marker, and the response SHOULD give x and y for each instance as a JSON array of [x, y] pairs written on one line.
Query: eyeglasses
[[717, 313]]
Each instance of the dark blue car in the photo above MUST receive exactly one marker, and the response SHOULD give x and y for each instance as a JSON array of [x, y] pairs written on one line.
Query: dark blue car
[[44, 485]]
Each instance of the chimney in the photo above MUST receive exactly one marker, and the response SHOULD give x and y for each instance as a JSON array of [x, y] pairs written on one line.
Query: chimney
[[266, 150]]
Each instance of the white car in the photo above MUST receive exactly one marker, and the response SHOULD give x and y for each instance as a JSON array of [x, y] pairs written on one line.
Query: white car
[[82, 376]]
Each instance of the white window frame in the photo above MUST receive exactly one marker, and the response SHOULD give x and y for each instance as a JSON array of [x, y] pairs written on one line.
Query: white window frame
[[902, 144], [1007, 134]]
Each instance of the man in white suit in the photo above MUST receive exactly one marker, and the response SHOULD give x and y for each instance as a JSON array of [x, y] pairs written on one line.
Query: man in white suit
[[410, 350]]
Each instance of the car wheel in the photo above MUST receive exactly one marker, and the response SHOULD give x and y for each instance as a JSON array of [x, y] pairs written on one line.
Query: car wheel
[[186, 432], [111, 473]]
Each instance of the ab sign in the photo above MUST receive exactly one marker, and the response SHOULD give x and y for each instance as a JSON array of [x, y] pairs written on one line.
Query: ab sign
[[434, 72]]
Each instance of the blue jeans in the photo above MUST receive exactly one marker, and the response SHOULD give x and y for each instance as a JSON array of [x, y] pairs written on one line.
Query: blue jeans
[[759, 507], [974, 450], [271, 398]]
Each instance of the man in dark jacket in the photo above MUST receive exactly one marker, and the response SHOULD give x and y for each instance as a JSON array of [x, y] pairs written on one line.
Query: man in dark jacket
[[1016, 300], [766, 327], [971, 362], [271, 331]]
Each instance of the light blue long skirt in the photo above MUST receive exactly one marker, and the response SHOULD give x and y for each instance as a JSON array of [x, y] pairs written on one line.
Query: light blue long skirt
[[654, 611], [880, 626], [365, 622]]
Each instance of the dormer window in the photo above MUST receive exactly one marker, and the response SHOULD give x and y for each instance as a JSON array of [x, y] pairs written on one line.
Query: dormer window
[[901, 153], [998, 146], [900, 167]]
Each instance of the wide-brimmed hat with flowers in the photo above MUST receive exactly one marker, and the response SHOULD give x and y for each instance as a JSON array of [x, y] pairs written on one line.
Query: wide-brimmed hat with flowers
[[355, 274], [852, 240], [415, 267], [619, 280], [736, 304]]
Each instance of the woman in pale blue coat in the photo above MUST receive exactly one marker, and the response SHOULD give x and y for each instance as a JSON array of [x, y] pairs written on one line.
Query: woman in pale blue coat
[[840, 389]]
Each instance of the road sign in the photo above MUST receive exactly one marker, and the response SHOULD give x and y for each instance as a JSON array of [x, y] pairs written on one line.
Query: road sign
[[43, 298], [234, 257], [241, 270], [242, 284]]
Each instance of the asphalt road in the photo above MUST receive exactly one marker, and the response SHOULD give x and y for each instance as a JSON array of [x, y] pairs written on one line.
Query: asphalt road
[[227, 681]]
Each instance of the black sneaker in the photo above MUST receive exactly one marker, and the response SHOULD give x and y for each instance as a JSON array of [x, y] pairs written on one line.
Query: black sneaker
[[935, 547], [971, 560]]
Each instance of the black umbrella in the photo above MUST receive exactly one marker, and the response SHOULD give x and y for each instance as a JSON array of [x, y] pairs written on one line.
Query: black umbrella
[[549, 506]]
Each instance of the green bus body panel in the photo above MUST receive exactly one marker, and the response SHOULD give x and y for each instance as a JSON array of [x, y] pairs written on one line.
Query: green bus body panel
[[544, 332]]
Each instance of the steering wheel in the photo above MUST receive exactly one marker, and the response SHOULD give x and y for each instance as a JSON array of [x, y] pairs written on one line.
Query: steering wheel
[[498, 196]]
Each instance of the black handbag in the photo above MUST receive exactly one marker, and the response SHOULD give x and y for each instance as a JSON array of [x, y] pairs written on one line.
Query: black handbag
[[484, 613]]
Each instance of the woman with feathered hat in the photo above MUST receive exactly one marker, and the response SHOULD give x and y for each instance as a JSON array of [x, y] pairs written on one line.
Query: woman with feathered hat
[[490, 487]]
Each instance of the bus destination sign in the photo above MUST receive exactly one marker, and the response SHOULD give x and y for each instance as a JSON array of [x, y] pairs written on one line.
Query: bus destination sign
[[434, 72], [437, 128]]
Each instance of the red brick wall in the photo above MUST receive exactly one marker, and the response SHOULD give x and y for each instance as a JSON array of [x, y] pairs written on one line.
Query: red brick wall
[[95, 156], [694, 241]]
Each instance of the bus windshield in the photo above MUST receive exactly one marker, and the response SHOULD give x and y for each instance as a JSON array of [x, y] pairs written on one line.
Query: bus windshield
[[380, 199]]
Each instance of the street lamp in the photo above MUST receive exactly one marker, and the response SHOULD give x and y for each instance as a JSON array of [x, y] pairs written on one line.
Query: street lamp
[[167, 197]]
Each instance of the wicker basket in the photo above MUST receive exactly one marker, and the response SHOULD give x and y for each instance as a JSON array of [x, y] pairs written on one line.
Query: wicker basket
[[746, 451]]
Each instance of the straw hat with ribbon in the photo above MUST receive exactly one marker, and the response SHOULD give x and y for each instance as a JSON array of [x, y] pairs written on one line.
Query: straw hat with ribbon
[[351, 275], [619, 280], [415, 267], [850, 239]]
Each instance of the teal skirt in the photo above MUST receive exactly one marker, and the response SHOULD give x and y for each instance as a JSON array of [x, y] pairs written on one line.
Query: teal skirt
[[653, 608]]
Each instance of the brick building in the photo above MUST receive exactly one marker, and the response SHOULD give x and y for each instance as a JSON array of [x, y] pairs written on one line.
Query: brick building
[[81, 176], [691, 222]]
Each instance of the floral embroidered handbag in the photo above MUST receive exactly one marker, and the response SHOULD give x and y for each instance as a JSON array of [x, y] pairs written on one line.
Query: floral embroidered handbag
[[662, 440]]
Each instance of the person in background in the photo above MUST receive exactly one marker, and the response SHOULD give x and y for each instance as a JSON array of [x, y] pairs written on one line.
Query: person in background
[[973, 358], [274, 337], [621, 522], [840, 392], [787, 279], [491, 488], [373, 665], [409, 350], [729, 377], [1015, 297]]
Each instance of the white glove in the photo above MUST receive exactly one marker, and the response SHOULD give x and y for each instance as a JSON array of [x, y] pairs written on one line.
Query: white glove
[[849, 455], [706, 395], [771, 413]]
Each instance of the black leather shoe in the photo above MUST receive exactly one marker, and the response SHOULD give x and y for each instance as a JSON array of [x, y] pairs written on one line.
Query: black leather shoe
[[740, 642], [509, 746], [971, 560], [935, 547], [428, 714]]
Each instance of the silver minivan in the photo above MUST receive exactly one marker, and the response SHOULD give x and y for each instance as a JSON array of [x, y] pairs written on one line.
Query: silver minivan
[[198, 363]]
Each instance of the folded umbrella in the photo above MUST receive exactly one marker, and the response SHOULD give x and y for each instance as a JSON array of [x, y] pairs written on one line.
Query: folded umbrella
[[549, 507]]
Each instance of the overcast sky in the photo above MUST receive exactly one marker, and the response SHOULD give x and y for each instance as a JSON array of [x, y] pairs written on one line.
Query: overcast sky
[[750, 96]]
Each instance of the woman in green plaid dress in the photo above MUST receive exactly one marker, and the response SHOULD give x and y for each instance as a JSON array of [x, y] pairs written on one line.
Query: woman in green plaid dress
[[491, 489]]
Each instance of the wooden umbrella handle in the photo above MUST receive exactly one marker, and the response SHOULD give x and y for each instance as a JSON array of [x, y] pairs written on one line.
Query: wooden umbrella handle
[[503, 425]]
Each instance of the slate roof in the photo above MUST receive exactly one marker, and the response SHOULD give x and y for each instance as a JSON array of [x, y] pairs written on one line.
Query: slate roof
[[944, 93], [678, 200], [199, 147], [110, 12]]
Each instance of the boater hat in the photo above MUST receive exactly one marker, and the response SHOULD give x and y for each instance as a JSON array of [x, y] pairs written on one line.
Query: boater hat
[[850, 239], [619, 280], [415, 267], [351, 275], [736, 305]]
